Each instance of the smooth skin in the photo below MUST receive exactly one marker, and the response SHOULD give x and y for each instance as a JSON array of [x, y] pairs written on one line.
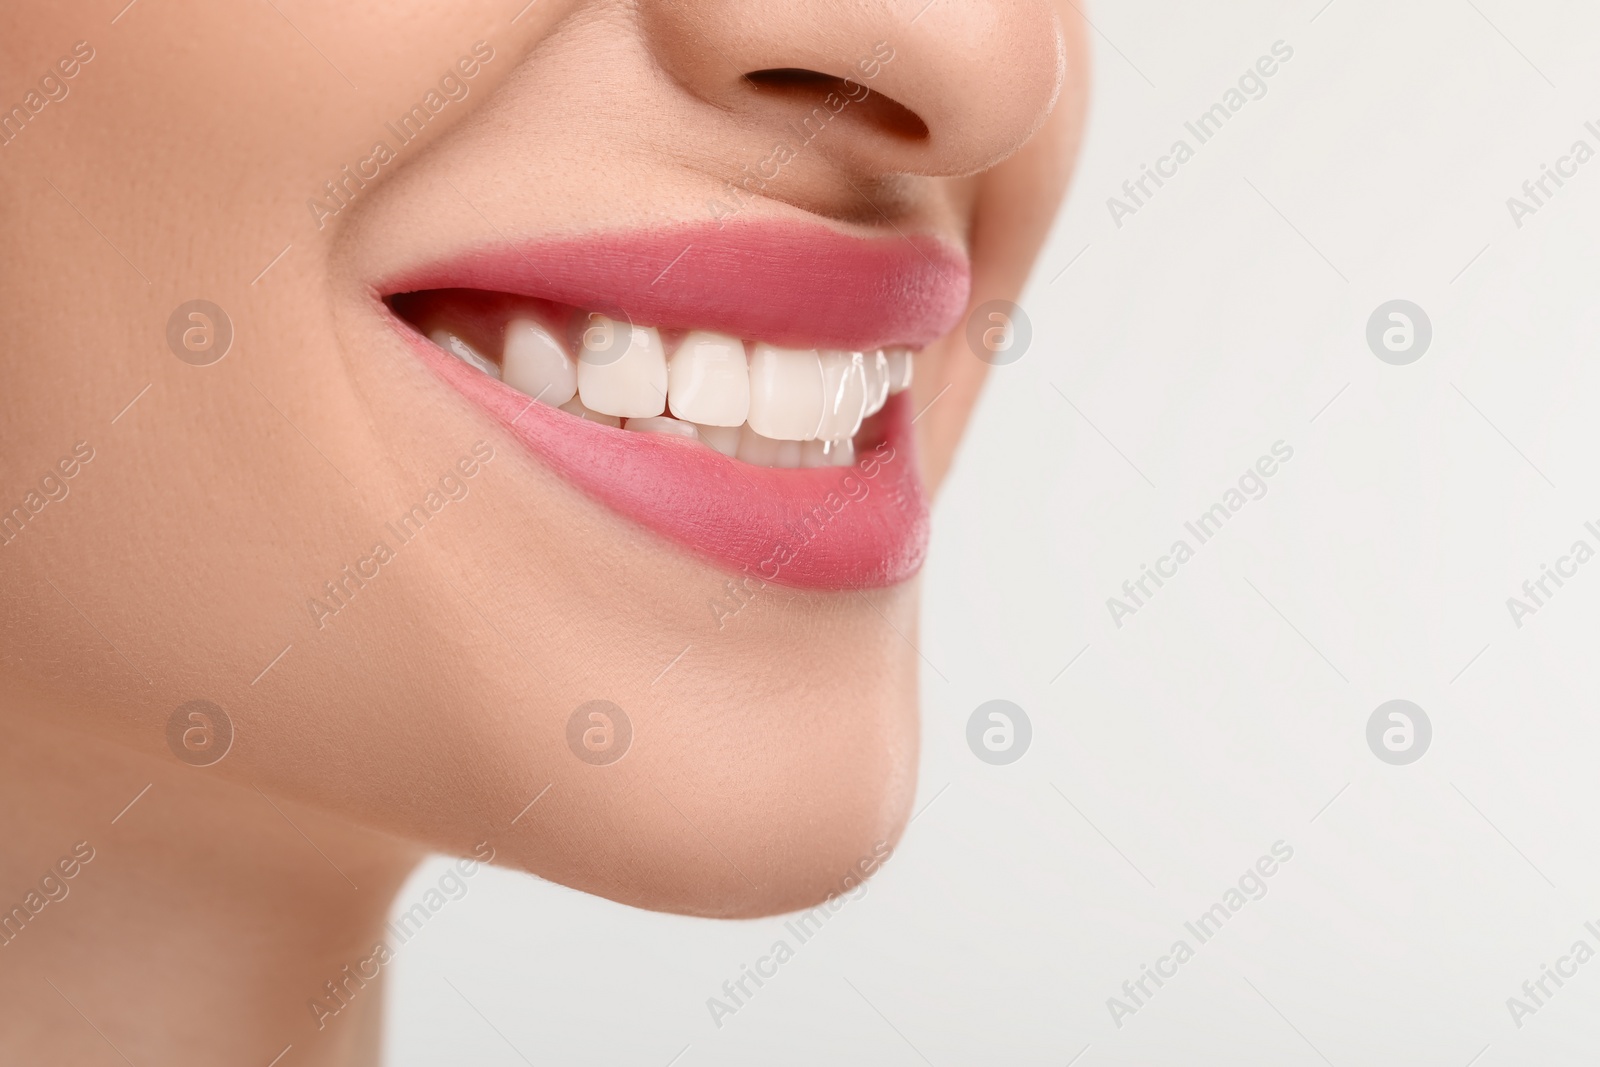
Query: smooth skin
[[769, 758]]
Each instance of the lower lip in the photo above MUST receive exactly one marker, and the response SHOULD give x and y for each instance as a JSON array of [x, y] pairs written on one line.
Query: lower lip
[[864, 526]]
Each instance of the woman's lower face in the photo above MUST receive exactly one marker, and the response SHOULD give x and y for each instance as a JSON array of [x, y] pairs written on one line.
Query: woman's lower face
[[515, 426]]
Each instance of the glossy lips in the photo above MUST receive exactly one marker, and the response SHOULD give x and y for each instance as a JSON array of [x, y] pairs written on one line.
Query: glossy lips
[[788, 284]]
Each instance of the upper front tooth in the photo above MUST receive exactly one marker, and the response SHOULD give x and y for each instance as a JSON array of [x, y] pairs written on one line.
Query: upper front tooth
[[463, 351], [876, 373], [899, 369], [844, 394], [622, 369], [535, 363], [708, 380], [785, 392]]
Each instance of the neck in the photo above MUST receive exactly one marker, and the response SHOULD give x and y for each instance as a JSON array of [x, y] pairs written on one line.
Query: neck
[[198, 925]]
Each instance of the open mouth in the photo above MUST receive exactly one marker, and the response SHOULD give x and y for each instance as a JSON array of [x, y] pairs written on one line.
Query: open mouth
[[763, 404], [741, 391]]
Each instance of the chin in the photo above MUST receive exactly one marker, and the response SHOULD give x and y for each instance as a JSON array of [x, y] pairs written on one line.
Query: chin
[[776, 820], [760, 775]]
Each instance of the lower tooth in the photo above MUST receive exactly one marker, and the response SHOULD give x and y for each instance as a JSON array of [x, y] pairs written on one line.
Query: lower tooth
[[838, 453], [767, 451], [463, 351], [575, 406], [724, 439], [661, 424]]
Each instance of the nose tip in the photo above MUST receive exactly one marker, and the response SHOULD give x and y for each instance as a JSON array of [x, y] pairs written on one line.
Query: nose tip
[[933, 87]]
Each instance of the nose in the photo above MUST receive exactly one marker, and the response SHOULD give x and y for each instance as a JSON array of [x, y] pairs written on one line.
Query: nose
[[934, 87]]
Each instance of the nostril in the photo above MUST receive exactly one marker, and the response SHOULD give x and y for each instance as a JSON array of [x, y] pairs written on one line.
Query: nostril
[[791, 77], [814, 88]]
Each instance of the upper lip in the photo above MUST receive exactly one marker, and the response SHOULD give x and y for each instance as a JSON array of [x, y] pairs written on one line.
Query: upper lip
[[793, 284]]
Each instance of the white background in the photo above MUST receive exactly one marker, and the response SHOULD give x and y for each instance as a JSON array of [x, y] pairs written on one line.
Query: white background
[[1227, 314]]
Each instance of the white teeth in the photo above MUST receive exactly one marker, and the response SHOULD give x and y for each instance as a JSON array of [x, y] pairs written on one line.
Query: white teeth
[[778, 407], [899, 369], [875, 371], [724, 439], [576, 407], [535, 363], [708, 380], [463, 351], [767, 451], [785, 392], [664, 425], [622, 369], [844, 394]]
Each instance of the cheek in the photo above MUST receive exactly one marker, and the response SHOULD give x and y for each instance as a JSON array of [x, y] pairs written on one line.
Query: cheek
[[202, 69]]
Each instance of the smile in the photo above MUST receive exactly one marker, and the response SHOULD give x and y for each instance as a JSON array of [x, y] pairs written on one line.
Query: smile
[[766, 404], [740, 391]]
